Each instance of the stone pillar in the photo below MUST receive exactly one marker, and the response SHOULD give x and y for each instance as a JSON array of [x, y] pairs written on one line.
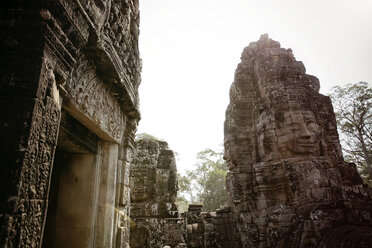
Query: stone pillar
[[153, 184], [30, 110], [195, 227], [126, 154]]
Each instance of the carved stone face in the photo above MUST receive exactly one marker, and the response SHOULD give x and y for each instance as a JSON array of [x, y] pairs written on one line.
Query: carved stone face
[[230, 155], [298, 135], [305, 138]]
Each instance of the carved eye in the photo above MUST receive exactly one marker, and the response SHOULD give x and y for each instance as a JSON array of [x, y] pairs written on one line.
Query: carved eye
[[296, 127], [312, 126]]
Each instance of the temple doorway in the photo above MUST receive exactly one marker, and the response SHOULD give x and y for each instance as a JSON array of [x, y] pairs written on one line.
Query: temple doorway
[[73, 192]]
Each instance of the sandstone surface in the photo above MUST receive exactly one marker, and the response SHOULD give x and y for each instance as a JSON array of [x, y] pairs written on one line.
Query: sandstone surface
[[70, 72], [288, 183], [153, 183]]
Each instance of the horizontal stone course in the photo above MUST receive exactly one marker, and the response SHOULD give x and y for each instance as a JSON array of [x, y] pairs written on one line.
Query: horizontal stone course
[[288, 184]]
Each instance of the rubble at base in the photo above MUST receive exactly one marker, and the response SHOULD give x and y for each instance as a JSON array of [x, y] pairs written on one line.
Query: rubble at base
[[155, 221]]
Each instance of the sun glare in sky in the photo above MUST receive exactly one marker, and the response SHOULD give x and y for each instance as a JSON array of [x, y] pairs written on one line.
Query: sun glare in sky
[[190, 49]]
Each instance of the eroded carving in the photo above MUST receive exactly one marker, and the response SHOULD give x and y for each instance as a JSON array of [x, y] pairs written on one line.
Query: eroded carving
[[53, 40], [153, 184], [120, 33], [284, 156], [94, 99]]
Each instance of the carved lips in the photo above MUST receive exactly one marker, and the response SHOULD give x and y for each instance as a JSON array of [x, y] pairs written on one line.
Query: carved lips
[[305, 138]]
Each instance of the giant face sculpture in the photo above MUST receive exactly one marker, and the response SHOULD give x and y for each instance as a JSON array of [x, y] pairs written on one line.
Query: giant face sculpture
[[283, 152], [298, 135]]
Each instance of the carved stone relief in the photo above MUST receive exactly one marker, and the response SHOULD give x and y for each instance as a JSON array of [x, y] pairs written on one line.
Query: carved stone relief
[[25, 227], [153, 184], [95, 100], [44, 63], [120, 33], [284, 156]]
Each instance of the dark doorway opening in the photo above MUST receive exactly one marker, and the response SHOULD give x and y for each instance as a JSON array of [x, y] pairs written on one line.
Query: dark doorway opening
[[72, 205]]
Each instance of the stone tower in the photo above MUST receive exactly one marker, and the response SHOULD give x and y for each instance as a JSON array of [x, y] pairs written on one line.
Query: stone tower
[[153, 184], [288, 183]]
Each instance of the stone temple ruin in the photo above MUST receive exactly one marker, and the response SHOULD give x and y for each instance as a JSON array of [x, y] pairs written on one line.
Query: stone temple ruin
[[70, 72], [73, 175], [153, 183], [154, 217], [288, 183]]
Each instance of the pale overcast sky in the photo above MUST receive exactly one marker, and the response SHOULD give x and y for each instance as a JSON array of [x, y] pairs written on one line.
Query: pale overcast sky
[[190, 49]]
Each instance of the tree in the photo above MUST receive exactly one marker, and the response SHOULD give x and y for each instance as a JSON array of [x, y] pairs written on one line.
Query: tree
[[183, 190], [208, 180], [354, 118]]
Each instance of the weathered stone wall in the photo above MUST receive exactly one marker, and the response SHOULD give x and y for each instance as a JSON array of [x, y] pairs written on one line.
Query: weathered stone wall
[[288, 184], [153, 182], [226, 231], [82, 57], [195, 227], [211, 229]]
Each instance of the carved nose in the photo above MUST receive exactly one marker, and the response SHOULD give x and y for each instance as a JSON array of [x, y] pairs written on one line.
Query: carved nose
[[306, 134]]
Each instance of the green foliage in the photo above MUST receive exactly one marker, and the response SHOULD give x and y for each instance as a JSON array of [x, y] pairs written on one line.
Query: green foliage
[[206, 183], [182, 204], [354, 119], [184, 186], [183, 183]]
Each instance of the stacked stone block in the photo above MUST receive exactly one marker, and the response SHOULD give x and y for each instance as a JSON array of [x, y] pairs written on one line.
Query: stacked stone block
[[226, 232], [195, 226], [153, 180], [288, 183]]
